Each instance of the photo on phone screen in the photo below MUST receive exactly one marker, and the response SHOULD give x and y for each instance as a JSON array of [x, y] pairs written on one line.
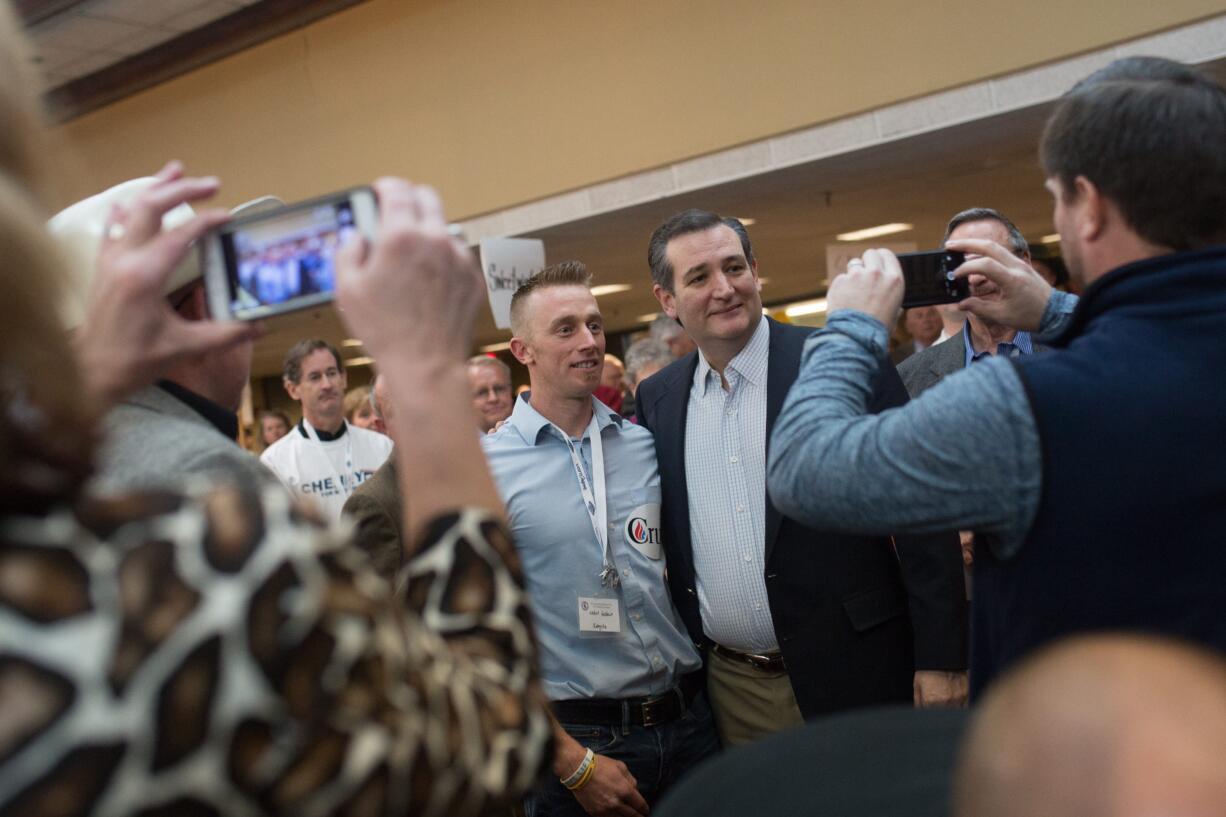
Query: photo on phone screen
[[284, 260], [928, 278]]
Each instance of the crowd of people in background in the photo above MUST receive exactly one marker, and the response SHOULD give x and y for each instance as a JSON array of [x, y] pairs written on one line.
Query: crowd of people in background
[[576, 600]]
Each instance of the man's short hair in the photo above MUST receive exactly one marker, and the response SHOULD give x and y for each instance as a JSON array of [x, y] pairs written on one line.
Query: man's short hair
[[645, 352], [566, 273], [1017, 242], [1148, 133], [292, 370], [684, 223], [492, 362]]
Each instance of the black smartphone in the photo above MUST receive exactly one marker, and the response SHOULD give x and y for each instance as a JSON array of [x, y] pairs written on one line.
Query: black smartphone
[[278, 261], [929, 278]]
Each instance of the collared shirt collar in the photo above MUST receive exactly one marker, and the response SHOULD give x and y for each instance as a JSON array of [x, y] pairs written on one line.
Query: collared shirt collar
[[750, 363], [324, 436], [529, 422], [1021, 341], [220, 418]]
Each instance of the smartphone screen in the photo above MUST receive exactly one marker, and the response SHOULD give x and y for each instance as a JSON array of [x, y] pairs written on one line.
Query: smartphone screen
[[285, 260], [927, 278]]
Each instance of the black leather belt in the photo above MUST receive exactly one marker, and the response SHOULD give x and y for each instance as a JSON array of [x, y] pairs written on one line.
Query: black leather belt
[[654, 711], [767, 662]]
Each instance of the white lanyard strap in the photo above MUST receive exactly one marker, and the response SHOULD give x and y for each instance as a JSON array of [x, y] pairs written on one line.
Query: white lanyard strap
[[340, 481], [593, 493]]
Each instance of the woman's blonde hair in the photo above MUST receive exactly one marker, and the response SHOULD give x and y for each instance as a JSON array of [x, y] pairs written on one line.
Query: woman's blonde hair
[[355, 400], [46, 422]]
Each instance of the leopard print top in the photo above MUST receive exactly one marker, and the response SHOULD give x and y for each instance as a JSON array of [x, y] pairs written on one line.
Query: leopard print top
[[224, 653]]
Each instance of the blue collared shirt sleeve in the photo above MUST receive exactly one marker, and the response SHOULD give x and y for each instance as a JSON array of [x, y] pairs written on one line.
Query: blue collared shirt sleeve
[[963, 456], [1056, 315]]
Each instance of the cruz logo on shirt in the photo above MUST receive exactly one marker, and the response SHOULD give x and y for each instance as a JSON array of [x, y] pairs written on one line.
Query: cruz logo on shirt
[[642, 530]]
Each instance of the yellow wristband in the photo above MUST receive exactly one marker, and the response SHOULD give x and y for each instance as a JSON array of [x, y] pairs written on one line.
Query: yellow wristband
[[586, 776]]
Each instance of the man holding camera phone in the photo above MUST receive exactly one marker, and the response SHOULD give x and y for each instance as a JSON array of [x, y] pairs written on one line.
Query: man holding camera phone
[[1083, 470]]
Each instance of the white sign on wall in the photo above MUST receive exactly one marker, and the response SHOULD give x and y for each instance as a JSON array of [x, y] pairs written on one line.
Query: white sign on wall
[[506, 264], [837, 255]]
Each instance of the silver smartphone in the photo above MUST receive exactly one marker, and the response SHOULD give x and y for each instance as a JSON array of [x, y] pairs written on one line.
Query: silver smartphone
[[285, 259]]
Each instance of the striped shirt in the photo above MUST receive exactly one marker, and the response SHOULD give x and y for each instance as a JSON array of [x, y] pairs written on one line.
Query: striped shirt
[[725, 473]]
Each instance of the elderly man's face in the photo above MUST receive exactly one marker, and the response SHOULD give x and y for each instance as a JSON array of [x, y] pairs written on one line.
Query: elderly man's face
[[990, 230], [614, 374], [491, 389], [924, 324]]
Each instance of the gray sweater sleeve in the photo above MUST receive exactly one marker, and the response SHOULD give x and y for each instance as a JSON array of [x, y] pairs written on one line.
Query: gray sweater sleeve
[[963, 456]]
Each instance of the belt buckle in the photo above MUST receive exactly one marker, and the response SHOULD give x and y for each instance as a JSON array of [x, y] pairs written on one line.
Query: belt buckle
[[765, 663], [649, 708]]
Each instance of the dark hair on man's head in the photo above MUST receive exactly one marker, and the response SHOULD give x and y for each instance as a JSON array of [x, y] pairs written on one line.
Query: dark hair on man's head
[[566, 273], [1149, 134], [292, 370], [1017, 241], [684, 223]]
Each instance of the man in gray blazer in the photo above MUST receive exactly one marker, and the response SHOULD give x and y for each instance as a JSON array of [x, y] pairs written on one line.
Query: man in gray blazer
[[186, 424], [979, 337]]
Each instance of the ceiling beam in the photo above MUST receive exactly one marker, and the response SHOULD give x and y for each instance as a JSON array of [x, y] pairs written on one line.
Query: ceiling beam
[[194, 49], [35, 11]]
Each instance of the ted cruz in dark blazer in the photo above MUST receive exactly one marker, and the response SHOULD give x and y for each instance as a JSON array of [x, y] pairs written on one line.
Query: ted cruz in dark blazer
[[855, 616]]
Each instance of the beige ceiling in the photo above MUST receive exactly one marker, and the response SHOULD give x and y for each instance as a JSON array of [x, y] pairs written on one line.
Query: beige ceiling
[[92, 35]]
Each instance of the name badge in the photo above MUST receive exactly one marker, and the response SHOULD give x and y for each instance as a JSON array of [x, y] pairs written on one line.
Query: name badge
[[642, 530], [599, 615]]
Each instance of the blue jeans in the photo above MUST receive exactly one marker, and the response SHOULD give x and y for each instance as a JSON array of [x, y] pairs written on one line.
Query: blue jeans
[[657, 756]]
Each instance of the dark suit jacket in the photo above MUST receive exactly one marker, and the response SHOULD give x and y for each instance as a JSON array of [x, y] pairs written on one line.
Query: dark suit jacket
[[378, 512], [854, 620], [923, 370]]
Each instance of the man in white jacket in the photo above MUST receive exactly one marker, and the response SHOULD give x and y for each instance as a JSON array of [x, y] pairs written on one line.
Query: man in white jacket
[[323, 457]]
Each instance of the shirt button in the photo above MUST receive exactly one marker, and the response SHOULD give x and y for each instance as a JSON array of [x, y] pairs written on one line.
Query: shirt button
[[638, 616], [626, 572], [740, 509], [733, 459], [731, 412], [747, 557], [757, 607]]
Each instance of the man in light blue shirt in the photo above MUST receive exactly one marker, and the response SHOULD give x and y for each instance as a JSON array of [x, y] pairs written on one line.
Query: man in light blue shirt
[[583, 498]]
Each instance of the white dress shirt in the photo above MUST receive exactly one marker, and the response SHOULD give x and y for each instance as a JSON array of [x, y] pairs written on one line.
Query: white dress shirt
[[725, 472]]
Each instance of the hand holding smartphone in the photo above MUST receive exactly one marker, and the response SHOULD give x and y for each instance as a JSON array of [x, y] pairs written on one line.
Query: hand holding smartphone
[[928, 278], [274, 262]]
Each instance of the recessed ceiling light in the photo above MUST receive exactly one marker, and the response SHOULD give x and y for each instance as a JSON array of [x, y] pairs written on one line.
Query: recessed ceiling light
[[609, 289], [359, 361], [748, 222], [763, 280], [799, 308], [351, 342], [648, 318], [874, 232], [496, 347], [1054, 238]]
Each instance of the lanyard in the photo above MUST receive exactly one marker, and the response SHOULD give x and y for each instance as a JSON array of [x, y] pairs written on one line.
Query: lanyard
[[310, 430], [593, 493]]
